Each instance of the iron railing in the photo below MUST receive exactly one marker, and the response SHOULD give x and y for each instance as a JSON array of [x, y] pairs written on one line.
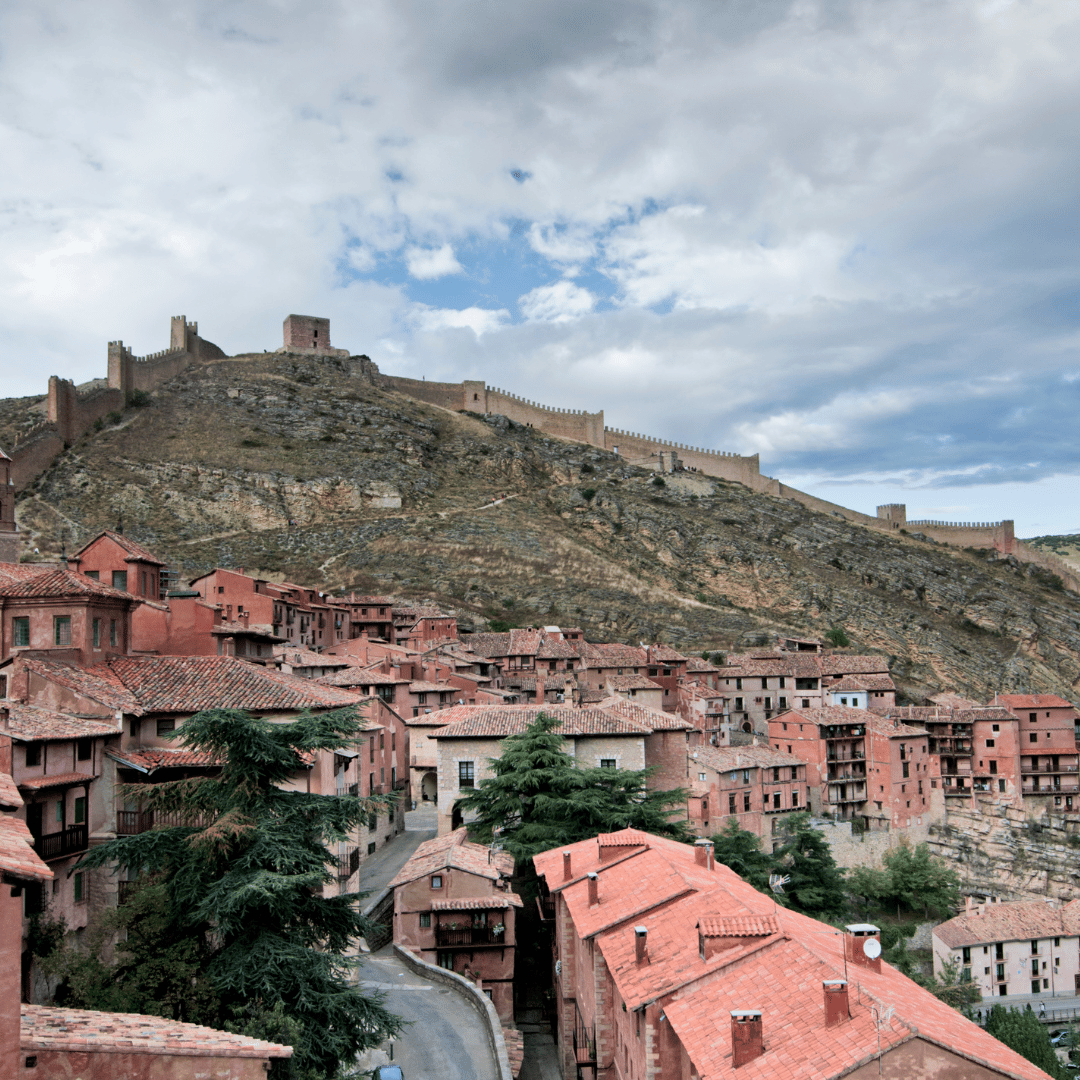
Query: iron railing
[[584, 1040], [347, 865]]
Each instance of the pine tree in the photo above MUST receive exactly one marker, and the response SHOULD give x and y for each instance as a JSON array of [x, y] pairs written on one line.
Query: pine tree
[[817, 883], [251, 866], [538, 798], [1021, 1030], [741, 850]]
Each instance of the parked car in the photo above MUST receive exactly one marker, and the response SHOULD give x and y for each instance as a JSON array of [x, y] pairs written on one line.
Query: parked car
[[1058, 1037]]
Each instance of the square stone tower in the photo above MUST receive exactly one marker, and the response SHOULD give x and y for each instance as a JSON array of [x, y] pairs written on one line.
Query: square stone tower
[[307, 332]]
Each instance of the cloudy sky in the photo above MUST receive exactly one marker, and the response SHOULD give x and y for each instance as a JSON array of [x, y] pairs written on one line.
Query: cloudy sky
[[840, 234]]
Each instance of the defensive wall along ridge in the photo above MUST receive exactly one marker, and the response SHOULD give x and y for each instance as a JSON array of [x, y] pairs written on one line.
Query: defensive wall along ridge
[[71, 411]]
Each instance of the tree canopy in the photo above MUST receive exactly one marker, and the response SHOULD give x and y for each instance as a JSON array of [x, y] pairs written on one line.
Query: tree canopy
[[539, 798], [235, 897], [1021, 1030], [741, 851], [912, 878]]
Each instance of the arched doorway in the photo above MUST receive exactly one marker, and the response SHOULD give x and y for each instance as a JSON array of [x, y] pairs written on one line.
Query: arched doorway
[[456, 820], [429, 788], [747, 726]]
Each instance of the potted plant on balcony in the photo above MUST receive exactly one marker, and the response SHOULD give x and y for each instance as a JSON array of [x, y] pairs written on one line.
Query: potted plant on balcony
[[498, 929]]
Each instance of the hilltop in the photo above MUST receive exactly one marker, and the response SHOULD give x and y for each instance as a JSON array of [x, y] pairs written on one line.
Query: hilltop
[[300, 468]]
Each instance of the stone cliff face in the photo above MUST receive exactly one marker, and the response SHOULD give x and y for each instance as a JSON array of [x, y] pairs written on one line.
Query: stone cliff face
[[299, 467]]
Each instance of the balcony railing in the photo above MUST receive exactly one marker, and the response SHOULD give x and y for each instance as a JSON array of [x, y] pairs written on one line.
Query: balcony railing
[[56, 845], [584, 1040], [841, 777], [546, 905], [857, 755], [1027, 769], [347, 865], [133, 822], [464, 936]]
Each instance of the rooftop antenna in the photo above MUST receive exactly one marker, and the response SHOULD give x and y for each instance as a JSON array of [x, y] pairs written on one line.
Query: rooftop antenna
[[882, 1016]]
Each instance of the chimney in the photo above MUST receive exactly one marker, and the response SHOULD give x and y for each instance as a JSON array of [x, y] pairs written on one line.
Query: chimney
[[641, 943], [594, 888], [567, 874], [836, 1001], [746, 1040], [862, 945], [703, 853]]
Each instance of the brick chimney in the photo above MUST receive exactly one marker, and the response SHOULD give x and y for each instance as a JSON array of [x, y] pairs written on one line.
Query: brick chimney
[[836, 1001], [862, 945], [747, 1043], [703, 853], [567, 873], [641, 944], [594, 888]]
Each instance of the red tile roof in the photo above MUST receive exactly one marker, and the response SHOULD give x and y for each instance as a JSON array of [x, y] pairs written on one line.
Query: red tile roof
[[48, 1028], [498, 721], [10, 799], [100, 685], [193, 683], [496, 901], [779, 970], [453, 851], [306, 658], [725, 758], [51, 581], [148, 760], [863, 682], [1019, 921], [488, 645], [28, 723], [355, 676], [1031, 701], [632, 682], [67, 779], [136, 552], [17, 856], [655, 719]]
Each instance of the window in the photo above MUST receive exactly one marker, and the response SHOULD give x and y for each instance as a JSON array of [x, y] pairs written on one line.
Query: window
[[999, 953], [466, 777], [806, 703], [61, 629], [80, 810], [768, 705], [1000, 972], [607, 763], [33, 755], [1033, 736], [79, 882], [966, 956], [82, 750], [701, 776], [113, 639], [794, 796], [382, 740], [371, 783], [738, 684], [731, 804], [905, 770], [990, 743], [738, 704], [371, 848], [783, 703], [746, 776], [993, 766], [119, 580], [746, 802], [165, 726], [997, 727], [764, 683], [93, 575], [1001, 787], [422, 698], [425, 919], [436, 881], [776, 773], [1031, 718], [97, 633], [776, 800], [60, 811]]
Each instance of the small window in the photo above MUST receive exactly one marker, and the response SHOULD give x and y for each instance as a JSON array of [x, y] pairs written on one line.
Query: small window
[[97, 633], [33, 755], [93, 575], [1033, 736], [436, 881], [82, 751], [466, 775], [119, 580], [165, 726], [20, 630], [80, 810], [746, 802], [79, 881], [62, 630], [701, 776], [607, 763], [113, 639], [731, 804], [425, 919]]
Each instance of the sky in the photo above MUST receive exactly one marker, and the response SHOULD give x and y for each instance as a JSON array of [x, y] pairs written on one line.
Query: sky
[[841, 235]]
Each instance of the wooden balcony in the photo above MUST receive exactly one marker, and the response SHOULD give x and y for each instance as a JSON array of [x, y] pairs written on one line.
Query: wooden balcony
[[57, 845], [133, 822], [466, 936], [347, 865]]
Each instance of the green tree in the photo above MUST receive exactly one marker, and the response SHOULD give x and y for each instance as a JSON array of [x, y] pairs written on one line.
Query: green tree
[[741, 850], [538, 798], [869, 887], [919, 881], [1020, 1030], [817, 883], [953, 989], [838, 638], [251, 868]]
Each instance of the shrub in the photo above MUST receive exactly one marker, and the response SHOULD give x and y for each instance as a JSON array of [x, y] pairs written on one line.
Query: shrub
[[138, 398], [588, 493], [837, 638], [587, 468], [113, 418], [658, 481], [99, 424]]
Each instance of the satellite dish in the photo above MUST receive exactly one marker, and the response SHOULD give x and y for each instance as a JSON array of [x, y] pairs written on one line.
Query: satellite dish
[[871, 948]]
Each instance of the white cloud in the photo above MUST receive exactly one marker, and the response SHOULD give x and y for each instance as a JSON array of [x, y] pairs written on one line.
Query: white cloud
[[429, 263], [560, 302], [478, 320]]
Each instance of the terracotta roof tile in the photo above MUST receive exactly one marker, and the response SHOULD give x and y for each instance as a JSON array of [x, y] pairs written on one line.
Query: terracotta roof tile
[[863, 682], [10, 799], [496, 901], [136, 552], [1032, 701], [28, 723], [306, 658], [738, 925], [453, 851], [725, 758], [355, 676], [99, 685], [149, 759], [655, 719], [498, 721], [49, 1028], [53, 581], [67, 779], [489, 646], [17, 856], [1014, 921]]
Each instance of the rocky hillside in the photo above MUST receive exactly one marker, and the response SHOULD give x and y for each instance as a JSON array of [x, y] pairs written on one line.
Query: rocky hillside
[[302, 469], [1066, 547]]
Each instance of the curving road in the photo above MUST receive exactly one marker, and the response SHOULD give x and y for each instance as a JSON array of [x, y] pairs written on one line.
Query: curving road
[[446, 1040]]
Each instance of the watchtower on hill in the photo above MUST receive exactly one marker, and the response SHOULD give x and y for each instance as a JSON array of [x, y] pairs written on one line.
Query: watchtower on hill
[[309, 334]]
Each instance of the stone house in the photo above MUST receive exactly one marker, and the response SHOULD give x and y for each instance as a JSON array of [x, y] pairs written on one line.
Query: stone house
[[755, 785], [38, 1041], [1013, 949], [119, 561], [666, 963], [49, 611], [186, 625], [1046, 737], [453, 906], [472, 736], [362, 616], [658, 663]]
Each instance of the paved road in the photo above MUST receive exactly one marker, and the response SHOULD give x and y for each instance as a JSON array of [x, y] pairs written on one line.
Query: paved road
[[378, 869], [446, 1040]]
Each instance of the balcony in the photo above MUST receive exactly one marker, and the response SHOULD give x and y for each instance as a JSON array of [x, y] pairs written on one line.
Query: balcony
[[1028, 769], [464, 937], [347, 865], [847, 774], [854, 755], [69, 841], [1056, 788], [133, 822], [584, 1040], [546, 906]]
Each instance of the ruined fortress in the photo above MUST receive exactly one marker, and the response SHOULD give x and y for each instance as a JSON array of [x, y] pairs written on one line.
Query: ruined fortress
[[71, 411]]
